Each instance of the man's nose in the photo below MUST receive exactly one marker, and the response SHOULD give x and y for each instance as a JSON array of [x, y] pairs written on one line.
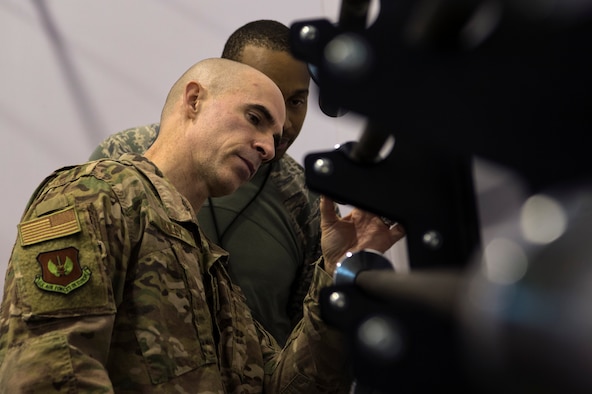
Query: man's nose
[[266, 148]]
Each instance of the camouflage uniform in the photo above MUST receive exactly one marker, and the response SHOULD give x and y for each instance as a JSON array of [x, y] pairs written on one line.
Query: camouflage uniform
[[287, 175], [111, 287]]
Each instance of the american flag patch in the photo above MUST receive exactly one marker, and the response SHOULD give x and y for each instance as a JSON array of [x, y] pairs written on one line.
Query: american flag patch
[[56, 225]]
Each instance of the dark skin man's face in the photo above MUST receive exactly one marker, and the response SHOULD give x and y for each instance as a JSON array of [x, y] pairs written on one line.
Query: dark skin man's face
[[292, 78]]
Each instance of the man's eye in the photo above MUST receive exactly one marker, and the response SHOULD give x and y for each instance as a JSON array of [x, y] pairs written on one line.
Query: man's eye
[[296, 102], [253, 118]]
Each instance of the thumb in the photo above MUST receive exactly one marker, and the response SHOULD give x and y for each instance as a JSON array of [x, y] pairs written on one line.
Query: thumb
[[328, 214]]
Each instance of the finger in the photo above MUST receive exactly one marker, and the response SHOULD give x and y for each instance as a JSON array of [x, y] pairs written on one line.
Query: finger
[[388, 222], [327, 208], [397, 232]]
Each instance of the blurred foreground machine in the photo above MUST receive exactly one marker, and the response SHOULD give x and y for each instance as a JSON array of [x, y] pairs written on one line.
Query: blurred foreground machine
[[497, 298]]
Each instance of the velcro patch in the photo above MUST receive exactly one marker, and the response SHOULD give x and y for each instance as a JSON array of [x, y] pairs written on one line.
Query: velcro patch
[[61, 271], [55, 225]]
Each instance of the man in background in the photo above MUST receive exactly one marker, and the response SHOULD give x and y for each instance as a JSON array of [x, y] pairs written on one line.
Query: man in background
[[270, 225]]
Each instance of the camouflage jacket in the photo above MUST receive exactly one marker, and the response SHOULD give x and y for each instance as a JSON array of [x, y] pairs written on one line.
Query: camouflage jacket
[[111, 287], [286, 174]]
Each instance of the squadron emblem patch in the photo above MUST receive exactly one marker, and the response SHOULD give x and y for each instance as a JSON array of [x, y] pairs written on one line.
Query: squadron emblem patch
[[61, 271]]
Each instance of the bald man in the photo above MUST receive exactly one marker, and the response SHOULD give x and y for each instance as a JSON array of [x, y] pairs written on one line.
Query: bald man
[[112, 287], [271, 224]]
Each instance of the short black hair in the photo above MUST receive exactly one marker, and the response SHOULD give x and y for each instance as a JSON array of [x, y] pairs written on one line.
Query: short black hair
[[264, 33]]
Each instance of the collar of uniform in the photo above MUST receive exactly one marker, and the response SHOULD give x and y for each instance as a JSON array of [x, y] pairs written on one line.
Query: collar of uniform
[[212, 253], [177, 206]]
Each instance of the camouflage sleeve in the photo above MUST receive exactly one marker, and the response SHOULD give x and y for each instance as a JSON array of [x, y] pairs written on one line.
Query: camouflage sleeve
[[58, 308], [312, 252], [134, 140], [304, 209], [314, 359]]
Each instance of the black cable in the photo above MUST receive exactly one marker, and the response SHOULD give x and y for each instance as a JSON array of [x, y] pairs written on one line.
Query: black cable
[[215, 220]]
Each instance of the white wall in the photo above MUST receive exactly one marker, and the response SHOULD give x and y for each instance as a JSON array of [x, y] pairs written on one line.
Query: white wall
[[75, 71]]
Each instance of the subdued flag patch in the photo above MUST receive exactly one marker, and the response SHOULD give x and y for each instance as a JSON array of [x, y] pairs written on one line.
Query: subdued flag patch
[[55, 225]]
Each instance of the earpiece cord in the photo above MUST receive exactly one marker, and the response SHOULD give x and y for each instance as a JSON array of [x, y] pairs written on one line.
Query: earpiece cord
[[213, 211]]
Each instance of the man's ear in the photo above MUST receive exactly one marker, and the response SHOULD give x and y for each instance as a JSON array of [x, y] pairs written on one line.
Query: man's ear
[[193, 92]]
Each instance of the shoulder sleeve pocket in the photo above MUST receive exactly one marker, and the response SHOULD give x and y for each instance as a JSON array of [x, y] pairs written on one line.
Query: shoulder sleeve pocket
[[58, 267]]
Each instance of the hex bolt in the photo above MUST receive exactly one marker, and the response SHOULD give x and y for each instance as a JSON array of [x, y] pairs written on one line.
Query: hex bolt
[[380, 336], [323, 166], [338, 300], [432, 239], [308, 33]]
